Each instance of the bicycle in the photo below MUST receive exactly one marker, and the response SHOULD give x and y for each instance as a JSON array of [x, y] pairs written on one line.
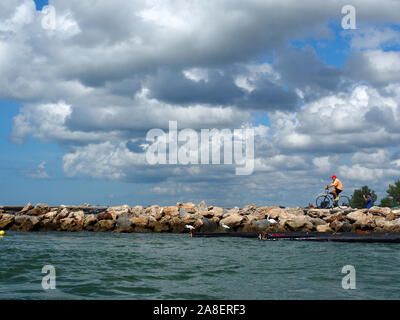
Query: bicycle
[[325, 200]]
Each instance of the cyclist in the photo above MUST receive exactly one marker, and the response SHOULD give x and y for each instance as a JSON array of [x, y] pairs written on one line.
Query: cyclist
[[337, 187]]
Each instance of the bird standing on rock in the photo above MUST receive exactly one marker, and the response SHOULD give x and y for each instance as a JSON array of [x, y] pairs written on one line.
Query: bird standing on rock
[[225, 226], [272, 221], [189, 227]]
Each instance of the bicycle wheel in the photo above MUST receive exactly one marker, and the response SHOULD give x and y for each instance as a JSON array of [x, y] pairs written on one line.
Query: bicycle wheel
[[344, 202], [323, 202]]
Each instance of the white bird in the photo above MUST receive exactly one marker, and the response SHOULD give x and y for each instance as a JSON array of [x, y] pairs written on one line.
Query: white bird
[[225, 226], [272, 221], [189, 227]]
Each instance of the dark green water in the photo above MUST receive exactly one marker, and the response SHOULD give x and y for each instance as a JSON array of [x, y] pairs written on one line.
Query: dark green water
[[171, 266]]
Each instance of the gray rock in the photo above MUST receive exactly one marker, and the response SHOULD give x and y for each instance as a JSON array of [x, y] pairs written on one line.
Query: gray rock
[[261, 224], [346, 227], [123, 223], [202, 206], [208, 225], [182, 212]]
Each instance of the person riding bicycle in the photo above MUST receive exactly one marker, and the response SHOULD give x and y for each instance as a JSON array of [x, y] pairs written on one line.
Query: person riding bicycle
[[337, 187]]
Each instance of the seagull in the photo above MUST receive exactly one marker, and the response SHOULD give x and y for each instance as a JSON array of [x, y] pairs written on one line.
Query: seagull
[[225, 226], [189, 227], [272, 221]]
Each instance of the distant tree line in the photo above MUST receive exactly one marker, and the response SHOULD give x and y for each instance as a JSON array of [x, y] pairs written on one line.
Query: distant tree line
[[392, 199]]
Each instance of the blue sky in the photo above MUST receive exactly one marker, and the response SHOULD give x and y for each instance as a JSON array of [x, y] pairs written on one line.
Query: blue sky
[[78, 99]]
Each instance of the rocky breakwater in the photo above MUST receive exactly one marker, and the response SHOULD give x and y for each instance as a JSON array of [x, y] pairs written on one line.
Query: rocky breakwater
[[201, 217]]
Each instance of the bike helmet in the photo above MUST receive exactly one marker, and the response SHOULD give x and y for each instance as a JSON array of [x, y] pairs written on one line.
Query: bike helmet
[[333, 177]]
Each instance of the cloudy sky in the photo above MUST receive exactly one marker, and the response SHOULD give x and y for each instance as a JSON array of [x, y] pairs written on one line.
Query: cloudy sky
[[79, 93]]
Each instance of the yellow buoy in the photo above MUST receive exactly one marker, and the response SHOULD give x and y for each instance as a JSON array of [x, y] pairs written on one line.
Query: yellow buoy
[[1, 232]]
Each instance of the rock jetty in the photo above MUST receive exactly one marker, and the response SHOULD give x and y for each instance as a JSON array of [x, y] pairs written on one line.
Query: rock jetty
[[201, 217]]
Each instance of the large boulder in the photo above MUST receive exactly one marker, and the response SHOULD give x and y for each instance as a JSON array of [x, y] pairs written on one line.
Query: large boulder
[[67, 224], [191, 218], [71, 224], [361, 220], [198, 224], [105, 216], [187, 207], [317, 221], [153, 211], [64, 213], [202, 206], [207, 214], [152, 222], [141, 221], [6, 221], [51, 215], [132, 212], [77, 215], [42, 206], [380, 222], [26, 209], [249, 210], [392, 216], [261, 224], [161, 225], [295, 211], [389, 226], [231, 211], [39, 210], [25, 223], [359, 217], [260, 213], [182, 212], [232, 221], [48, 225], [324, 228], [208, 225], [172, 211], [248, 220], [379, 211], [118, 210], [104, 225], [337, 225], [337, 216], [299, 223], [318, 213], [89, 222], [49, 221], [124, 225], [177, 225], [215, 219], [279, 214]]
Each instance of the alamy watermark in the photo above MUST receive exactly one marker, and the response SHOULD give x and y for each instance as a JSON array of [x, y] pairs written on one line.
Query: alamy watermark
[[349, 281], [49, 17], [49, 280], [349, 20], [191, 147]]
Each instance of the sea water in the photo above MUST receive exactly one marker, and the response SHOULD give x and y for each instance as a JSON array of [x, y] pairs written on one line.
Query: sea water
[[139, 266]]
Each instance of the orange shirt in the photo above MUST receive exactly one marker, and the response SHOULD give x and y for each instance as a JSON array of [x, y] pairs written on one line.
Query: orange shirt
[[337, 184]]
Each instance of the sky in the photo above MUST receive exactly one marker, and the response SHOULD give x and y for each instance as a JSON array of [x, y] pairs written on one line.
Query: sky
[[83, 83]]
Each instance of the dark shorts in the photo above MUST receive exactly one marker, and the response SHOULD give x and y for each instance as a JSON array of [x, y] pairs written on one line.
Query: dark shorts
[[338, 191]]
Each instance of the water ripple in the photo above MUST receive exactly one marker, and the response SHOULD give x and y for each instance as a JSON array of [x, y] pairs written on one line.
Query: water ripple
[[170, 266]]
